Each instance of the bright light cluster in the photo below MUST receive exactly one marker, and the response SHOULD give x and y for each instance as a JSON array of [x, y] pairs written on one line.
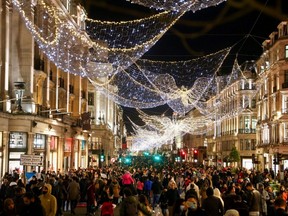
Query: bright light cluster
[[109, 54], [159, 130], [110, 46], [147, 84], [177, 5]]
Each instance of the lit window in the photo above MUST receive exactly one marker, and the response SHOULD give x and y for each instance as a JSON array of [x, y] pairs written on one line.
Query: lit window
[[286, 51], [39, 141]]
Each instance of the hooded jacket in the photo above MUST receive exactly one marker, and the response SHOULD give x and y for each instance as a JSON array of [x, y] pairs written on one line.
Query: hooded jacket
[[49, 202]]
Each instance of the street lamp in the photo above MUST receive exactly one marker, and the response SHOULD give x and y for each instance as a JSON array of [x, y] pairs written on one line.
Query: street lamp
[[19, 88]]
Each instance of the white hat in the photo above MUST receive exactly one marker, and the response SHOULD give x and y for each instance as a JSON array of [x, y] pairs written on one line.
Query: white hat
[[231, 212], [12, 184]]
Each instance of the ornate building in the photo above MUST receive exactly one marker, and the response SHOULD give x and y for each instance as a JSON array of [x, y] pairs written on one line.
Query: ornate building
[[45, 112], [272, 106], [234, 121]]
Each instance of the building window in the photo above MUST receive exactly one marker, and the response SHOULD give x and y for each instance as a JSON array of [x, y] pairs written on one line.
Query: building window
[[254, 122], [285, 76], [39, 141], [53, 143], [71, 89], [83, 142], [247, 144], [68, 144], [286, 51], [18, 140], [285, 104], [285, 131], [247, 122], [266, 135], [90, 98]]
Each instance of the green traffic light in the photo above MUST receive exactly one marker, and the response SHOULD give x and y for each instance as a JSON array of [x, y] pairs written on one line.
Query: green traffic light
[[146, 153]]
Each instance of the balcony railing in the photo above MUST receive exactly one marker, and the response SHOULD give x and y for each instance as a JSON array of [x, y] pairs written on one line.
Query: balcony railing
[[247, 131]]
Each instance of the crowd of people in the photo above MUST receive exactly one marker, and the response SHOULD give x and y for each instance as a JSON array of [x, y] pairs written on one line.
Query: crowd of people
[[176, 190]]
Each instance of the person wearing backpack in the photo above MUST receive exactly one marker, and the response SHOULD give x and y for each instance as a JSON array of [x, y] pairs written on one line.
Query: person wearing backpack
[[129, 205]]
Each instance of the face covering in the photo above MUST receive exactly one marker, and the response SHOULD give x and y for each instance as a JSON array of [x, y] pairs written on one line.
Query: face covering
[[192, 205], [44, 192]]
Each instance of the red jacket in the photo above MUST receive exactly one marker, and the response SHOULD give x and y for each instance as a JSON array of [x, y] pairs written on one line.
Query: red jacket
[[107, 209], [127, 179]]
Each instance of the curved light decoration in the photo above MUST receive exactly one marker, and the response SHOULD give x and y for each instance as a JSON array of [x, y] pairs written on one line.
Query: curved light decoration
[[159, 130], [145, 83], [108, 45], [177, 5]]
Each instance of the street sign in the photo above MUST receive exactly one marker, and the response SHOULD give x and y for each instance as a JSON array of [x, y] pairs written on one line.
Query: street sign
[[31, 160]]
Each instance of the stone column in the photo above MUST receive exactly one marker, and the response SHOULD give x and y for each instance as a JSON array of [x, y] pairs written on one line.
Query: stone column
[[47, 153], [30, 147], [60, 153], [5, 152]]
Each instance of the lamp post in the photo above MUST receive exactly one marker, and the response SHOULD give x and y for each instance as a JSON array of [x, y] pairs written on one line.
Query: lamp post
[[19, 88]]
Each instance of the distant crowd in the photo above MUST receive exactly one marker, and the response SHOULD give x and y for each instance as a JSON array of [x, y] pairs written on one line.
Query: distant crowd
[[178, 190]]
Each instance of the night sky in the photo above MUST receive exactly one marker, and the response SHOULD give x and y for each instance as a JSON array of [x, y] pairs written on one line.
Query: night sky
[[243, 24]]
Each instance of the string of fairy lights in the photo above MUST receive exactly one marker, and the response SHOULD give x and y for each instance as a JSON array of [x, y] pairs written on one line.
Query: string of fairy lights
[[194, 5], [161, 129], [109, 55], [147, 85]]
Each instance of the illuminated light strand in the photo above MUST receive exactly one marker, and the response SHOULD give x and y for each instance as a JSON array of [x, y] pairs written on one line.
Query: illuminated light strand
[[86, 52], [177, 5], [163, 128], [69, 55], [127, 41], [138, 87], [159, 130], [130, 34]]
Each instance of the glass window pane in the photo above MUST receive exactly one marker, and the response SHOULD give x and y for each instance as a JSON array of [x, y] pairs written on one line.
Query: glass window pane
[[39, 141], [18, 140]]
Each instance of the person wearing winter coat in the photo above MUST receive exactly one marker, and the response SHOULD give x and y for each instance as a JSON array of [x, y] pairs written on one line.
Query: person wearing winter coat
[[73, 191], [48, 201], [264, 198], [129, 205], [212, 204], [115, 190]]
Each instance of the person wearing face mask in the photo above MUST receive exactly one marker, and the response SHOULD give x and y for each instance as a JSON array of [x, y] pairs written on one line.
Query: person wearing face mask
[[179, 207], [192, 207], [48, 201]]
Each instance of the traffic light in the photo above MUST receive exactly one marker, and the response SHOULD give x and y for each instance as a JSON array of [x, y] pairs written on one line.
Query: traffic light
[[195, 154], [127, 160], [178, 159], [146, 153], [182, 154], [102, 156], [157, 158]]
